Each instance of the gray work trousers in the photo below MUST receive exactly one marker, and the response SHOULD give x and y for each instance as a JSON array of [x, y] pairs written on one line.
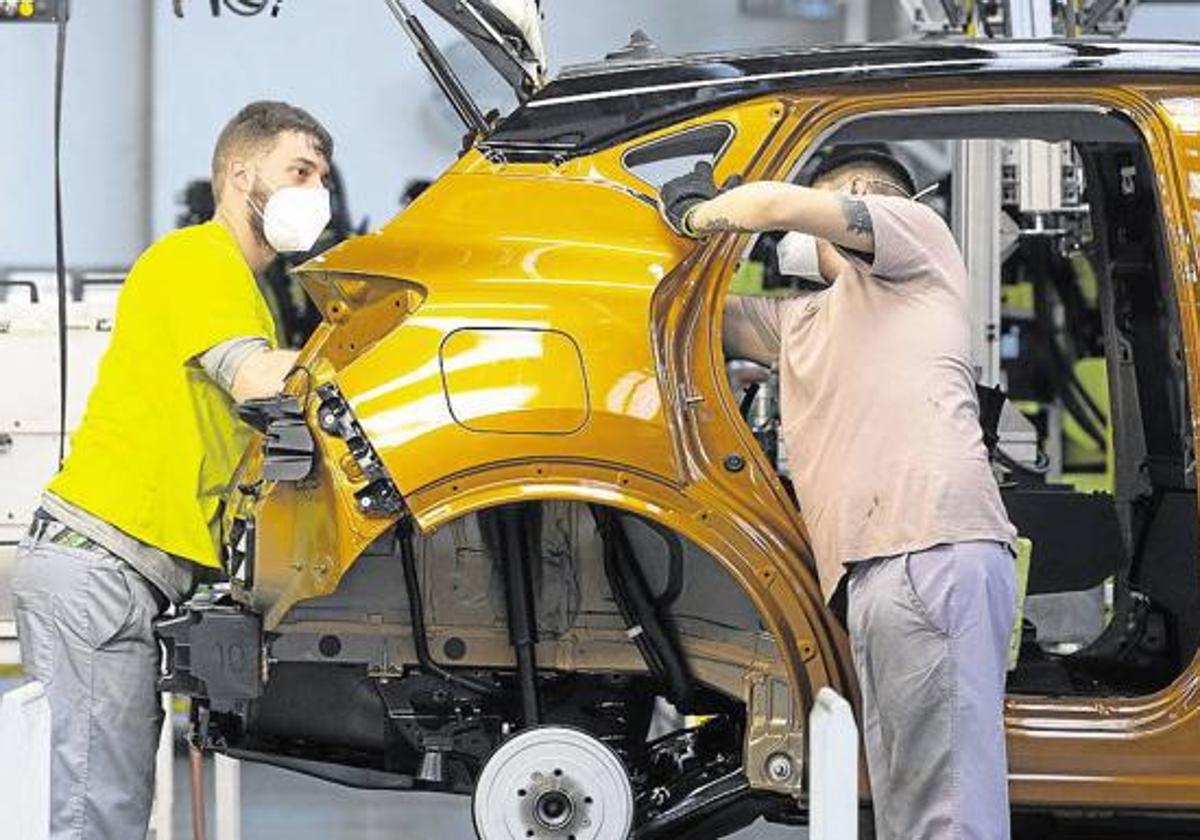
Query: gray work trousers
[[929, 632], [85, 624]]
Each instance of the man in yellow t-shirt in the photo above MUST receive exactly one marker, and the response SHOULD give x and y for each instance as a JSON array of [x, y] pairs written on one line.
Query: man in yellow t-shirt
[[130, 523]]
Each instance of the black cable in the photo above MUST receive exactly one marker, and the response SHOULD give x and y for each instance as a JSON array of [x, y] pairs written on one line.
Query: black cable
[[649, 631], [1063, 381], [512, 534], [674, 587], [987, 24], [748, 400], [416, 614], [308, 382], [1066, 286], [60, 263]]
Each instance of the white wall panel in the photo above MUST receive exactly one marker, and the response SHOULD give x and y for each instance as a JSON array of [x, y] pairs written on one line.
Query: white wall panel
[[105, 136]]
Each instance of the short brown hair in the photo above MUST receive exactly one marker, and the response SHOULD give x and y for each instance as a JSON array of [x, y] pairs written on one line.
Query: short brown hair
[[256, 127]]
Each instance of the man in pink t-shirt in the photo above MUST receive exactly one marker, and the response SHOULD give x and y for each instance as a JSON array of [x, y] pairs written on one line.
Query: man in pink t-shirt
[[881, 425]]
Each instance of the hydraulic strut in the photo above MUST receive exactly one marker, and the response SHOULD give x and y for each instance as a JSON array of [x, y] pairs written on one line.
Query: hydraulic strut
[[512, 534]]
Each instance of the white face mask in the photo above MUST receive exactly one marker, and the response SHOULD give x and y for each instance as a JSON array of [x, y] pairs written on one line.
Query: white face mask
[[798, 257], [294, 217]]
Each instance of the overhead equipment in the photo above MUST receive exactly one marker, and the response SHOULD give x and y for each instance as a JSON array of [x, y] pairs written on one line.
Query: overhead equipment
[[1018, 18]]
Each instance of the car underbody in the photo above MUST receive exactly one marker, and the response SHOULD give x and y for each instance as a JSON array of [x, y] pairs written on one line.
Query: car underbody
[[525, 617]]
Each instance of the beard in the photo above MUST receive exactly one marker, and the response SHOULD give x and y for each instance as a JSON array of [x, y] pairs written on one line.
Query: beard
[[257, 199]]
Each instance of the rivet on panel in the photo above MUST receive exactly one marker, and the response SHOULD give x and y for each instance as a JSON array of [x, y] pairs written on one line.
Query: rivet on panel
[[779, 767]]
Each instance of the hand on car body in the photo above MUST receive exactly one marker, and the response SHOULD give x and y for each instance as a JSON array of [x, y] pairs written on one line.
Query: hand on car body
[[680, 196]]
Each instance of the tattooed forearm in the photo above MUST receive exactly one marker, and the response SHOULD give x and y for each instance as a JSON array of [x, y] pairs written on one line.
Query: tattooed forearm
[[720, 224], [858, 217]]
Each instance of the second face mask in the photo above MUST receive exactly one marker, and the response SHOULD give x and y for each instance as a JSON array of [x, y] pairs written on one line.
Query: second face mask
[[797, 254]]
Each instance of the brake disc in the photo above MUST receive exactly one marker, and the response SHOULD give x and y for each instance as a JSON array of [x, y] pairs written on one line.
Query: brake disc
[[553, 782]]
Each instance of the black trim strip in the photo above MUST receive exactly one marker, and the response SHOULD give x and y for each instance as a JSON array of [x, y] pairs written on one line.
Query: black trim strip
[[584, 111]]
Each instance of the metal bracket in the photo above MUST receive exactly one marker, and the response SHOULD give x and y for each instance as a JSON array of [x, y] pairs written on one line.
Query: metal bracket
[[212, 651], [976, 204], [380, 497], [289, 451]]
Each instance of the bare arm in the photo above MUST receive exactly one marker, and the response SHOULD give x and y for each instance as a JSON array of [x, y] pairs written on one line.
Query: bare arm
[[769, 205], [751, 329], [262, 374]]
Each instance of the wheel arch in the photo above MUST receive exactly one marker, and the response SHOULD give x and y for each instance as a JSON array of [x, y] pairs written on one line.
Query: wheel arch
[[811, 643]]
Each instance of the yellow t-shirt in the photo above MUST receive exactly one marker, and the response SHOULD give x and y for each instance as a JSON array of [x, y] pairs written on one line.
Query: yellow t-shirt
[[159, 440]]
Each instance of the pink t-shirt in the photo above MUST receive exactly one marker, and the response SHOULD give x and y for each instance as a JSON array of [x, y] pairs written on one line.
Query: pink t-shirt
[[877, 399]]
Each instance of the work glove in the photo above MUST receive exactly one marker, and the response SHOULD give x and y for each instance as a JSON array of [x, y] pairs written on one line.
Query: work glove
[[680, 196]]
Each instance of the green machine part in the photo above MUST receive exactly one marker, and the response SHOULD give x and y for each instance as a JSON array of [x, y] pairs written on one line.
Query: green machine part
[[1022, 560]]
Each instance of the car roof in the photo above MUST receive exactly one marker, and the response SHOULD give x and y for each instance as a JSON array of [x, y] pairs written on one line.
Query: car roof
[[590, 107]]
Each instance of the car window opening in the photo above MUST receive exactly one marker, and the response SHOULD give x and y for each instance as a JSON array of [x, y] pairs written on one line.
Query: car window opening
[[1094, 455], [662, 159]]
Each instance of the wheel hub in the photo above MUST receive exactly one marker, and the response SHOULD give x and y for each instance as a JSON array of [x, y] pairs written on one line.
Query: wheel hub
[[553, 783], [554, 809]]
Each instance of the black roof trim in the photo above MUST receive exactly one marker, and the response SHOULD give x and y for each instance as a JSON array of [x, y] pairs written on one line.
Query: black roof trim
[[590, 108]]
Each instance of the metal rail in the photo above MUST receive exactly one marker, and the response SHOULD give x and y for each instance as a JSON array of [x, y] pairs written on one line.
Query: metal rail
[[1019, 18]]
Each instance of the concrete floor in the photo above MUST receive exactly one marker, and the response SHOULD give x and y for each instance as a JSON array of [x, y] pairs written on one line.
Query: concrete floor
[[281, 805]]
